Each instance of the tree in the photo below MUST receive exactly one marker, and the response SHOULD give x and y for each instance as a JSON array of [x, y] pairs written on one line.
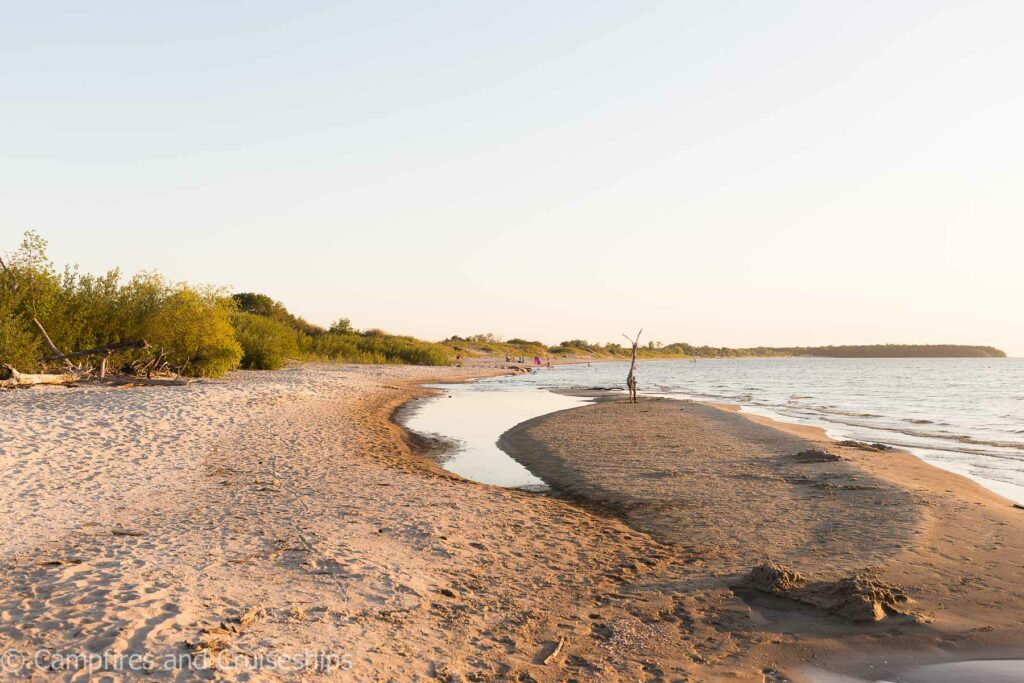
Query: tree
[[631, 377], [341, 326]]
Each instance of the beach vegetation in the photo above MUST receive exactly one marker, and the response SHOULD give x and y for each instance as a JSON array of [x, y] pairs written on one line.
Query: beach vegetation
[[192, 326], [267, 343]]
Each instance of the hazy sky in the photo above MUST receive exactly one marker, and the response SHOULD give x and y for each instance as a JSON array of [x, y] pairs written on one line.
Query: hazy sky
[[729, 173]]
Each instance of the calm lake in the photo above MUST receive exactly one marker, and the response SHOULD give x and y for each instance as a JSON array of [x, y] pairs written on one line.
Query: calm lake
[[964, 415]]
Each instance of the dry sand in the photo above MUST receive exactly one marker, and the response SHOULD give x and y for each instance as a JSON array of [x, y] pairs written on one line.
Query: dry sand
[[277, 514]]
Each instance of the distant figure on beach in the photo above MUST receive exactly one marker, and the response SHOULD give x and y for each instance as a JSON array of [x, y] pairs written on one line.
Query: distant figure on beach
[[536, 360], [508, 358]]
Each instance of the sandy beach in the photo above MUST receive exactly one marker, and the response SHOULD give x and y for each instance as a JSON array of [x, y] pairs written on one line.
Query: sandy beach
[[279, 525]]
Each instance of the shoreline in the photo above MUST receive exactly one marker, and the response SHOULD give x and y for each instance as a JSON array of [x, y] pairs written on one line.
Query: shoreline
[[910, 521], [293, 498]]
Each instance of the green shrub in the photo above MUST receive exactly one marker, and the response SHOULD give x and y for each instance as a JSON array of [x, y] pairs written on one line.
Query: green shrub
[[266, 343], [378, 347], [261, 304], [195, 328], [20, 345]]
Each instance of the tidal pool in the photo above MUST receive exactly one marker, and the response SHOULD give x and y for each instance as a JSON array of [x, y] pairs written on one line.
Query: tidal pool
[[474, 418]]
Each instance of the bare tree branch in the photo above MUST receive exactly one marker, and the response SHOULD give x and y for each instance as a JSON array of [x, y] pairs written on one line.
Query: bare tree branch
[[631, 377]]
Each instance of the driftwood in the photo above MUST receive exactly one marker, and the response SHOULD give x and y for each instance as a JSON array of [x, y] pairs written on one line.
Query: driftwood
[[75, 373], [16, 379], [122, 381], [631, 377], [554, 653], [103, 350]]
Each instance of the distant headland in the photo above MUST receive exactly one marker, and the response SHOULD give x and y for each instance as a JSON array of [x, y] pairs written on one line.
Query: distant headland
[[489, 344]]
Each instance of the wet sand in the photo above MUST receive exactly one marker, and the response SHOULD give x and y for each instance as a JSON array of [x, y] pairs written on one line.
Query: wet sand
[[283, 513], [730, 492]]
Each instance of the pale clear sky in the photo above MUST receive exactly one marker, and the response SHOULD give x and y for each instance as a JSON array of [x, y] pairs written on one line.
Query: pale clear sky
[[729, 173]]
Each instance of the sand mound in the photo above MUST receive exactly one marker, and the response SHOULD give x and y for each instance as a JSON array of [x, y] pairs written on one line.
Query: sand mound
[[858, 598], [816, 455]]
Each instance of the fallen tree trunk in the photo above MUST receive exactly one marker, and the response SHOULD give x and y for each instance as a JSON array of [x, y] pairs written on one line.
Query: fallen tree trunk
[[57, 353], [118, 381], [103, 350], [17, 379]]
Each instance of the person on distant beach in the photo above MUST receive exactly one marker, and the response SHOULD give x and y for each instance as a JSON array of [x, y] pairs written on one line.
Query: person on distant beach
[[536, 360]]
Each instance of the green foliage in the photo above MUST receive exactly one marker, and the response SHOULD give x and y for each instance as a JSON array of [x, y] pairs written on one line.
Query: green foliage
[[897, 351], [261, 304], [341, 326], [20, 346], [377, 346], [83, 311], [266, 343], [195, 327]]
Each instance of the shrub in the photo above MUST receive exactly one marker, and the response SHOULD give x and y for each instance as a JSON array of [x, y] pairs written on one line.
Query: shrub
[[379, 347], [195, 328], [266, 343], [341, 326], [261, 304]]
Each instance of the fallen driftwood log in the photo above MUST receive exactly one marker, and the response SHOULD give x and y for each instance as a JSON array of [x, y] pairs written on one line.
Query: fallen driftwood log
[[128, 381], [103, 350], [16, 379], [554, 653]]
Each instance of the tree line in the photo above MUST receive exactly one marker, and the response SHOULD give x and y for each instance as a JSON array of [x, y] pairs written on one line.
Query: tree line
[[200, 330]]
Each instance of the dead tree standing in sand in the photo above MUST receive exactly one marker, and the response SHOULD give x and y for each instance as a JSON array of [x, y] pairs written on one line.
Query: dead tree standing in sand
[[631, 377]]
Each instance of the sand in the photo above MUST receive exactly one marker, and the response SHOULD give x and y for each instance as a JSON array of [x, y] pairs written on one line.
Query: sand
[[281, 525], [734, 492], [150, 521]]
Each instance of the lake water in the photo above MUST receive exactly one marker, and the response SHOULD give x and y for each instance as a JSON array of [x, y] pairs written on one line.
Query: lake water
[[965, 415]]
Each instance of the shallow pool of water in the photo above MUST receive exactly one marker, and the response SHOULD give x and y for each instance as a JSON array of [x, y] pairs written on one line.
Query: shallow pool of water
[[474, 419], [968, 671]]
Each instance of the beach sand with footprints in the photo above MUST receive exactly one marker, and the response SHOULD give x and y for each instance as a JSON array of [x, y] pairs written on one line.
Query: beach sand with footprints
[[280, 525]]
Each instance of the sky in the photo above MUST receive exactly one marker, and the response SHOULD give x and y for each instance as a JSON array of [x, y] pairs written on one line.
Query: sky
[[724, 173]]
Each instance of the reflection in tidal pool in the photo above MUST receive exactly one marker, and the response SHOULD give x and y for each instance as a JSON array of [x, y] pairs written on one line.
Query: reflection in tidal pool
[[476, 419]]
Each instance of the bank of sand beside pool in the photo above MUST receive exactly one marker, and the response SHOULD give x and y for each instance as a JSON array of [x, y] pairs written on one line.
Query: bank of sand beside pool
[[737, 492], [283, 513]]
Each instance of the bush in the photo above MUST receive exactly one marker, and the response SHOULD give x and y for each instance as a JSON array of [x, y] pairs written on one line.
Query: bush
[[266, 343], [84, 311], [195, 328], [202, 331], [261, 304], [378, 347]]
